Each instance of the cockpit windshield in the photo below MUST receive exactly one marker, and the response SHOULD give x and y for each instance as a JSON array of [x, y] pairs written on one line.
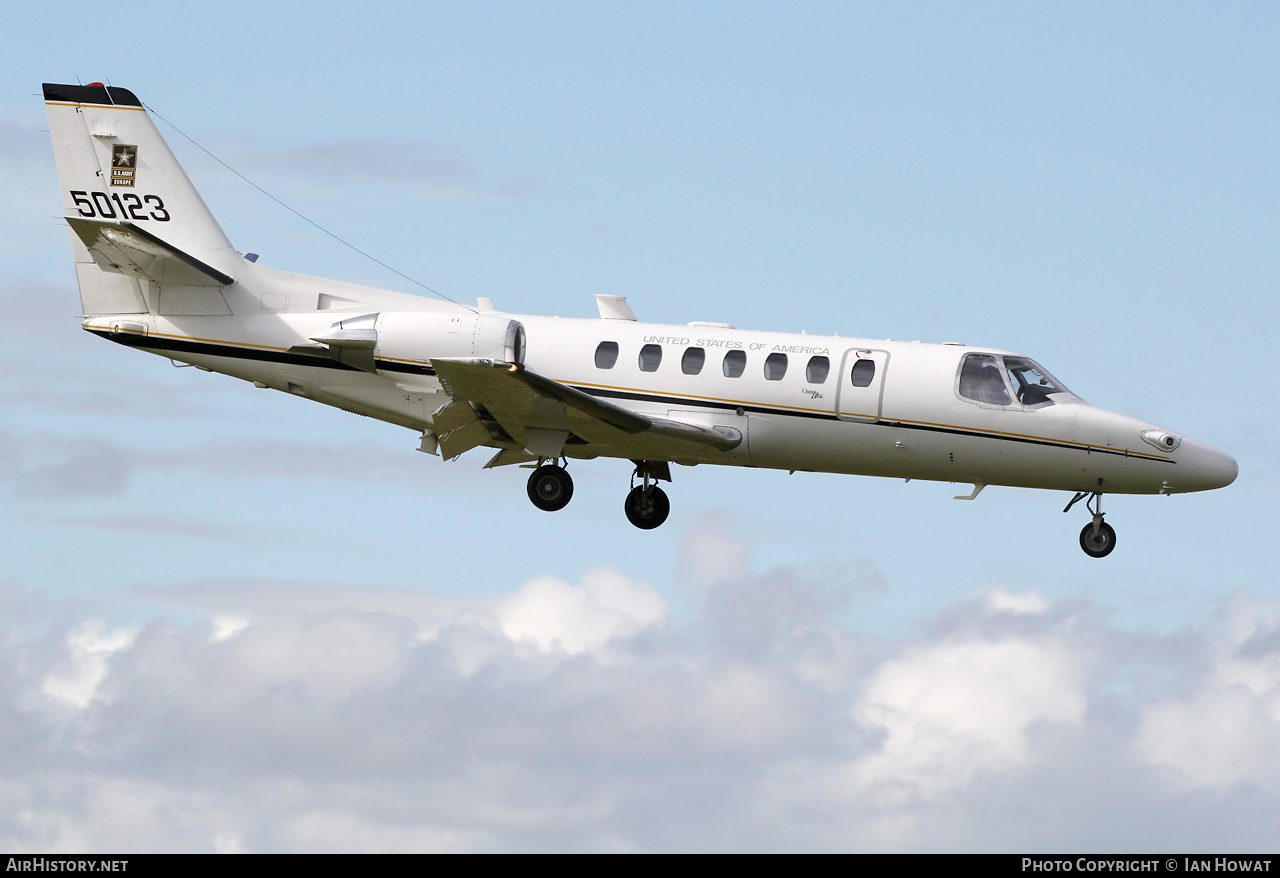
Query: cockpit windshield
[[999, 380], [1031, 383]]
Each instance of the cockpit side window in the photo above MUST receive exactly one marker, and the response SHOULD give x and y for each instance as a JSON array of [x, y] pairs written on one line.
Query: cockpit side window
[[981, 380]]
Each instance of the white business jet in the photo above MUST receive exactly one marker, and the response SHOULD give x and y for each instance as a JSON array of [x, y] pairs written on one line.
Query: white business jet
[[157, 273]]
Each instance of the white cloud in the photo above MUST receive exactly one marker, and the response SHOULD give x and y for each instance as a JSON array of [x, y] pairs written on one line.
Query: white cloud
[[226, 627], [330, 658], [950, 711], [556, 616], [1216, 739], [334, 831], [746, 709], [1227, 732], [86, 812], [75, 682], [582, 716], [1000, 600]]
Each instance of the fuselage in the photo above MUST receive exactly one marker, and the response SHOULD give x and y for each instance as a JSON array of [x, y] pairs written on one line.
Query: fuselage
[[801, 402]]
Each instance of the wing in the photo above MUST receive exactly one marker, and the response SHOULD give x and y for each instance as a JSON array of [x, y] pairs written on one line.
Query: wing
[[540, 417]]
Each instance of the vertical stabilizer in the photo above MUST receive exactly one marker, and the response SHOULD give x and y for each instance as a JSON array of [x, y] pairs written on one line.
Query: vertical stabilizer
[[117, 171]]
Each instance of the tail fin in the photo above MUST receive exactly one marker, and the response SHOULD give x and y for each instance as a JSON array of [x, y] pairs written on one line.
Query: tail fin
[[140, 231]]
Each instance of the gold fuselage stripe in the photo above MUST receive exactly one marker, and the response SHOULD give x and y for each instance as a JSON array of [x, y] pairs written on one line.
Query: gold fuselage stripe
[[691, 397], [79, 104]]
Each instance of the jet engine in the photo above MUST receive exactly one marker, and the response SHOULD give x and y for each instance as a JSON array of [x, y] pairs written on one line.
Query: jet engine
[[403, 342]]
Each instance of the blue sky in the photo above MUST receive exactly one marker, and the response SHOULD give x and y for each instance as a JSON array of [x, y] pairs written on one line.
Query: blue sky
[[1094, 186]]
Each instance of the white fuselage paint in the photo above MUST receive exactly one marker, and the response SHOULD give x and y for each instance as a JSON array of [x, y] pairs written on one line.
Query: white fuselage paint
[[910, 422]]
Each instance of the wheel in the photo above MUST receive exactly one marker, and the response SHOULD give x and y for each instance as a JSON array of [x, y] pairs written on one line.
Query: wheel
[[550, 488], [1099, 546], [647, 509]]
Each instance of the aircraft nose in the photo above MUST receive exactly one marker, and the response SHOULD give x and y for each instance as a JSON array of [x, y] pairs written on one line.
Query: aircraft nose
[[1202, 468]]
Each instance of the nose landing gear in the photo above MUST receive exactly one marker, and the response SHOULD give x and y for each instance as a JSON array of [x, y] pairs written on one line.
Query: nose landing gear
[[1098, 538]]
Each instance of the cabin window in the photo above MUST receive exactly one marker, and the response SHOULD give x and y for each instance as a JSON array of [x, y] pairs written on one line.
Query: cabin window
[[775, 366], [735, 362], [981, 380], [863, 373], [817, 370], [650, 357], [692, 361], [606, 354]]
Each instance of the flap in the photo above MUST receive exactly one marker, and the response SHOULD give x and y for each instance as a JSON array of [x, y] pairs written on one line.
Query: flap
[[521, 400]]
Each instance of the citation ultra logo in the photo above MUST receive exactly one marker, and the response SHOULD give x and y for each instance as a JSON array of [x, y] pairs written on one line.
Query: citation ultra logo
[[124, 164]]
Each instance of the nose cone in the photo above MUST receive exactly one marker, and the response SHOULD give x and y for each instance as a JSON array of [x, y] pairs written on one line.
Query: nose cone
[[1201, 468]]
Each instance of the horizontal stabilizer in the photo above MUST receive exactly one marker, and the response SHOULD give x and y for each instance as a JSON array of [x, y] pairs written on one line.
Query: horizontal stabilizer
[[129, 249]]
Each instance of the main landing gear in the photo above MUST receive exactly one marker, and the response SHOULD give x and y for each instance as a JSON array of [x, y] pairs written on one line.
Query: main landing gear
[[550, 487], [1098, 538], [647, 506]]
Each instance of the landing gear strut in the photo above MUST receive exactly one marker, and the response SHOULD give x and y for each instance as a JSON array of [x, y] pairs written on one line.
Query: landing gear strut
[[550, 487], [647, 505], [1098, 538]]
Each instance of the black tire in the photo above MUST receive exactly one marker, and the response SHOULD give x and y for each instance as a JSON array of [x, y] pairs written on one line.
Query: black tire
[[1101, 545], [550, 488], [647, 509]]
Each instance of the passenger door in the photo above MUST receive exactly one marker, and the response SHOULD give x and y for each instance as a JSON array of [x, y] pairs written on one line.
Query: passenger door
[[860, 394]]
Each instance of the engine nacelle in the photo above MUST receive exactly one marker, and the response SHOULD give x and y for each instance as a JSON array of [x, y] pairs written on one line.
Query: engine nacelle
[[407, 340]]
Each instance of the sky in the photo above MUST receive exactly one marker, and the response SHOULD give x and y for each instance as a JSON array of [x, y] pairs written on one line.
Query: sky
[[233, 620]]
